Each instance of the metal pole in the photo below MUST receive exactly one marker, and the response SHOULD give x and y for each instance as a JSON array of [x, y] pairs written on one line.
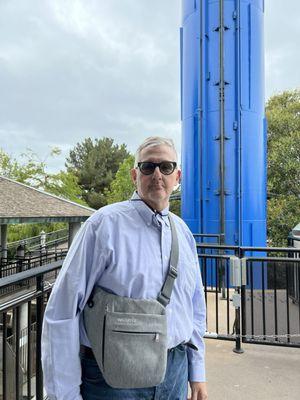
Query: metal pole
[[237, 281], [222, 118], [17, 357], [4, 355], [222, 138], [238, 348], [243, 296], [238, 119], [200, 111], [39, 321], [29, 348]]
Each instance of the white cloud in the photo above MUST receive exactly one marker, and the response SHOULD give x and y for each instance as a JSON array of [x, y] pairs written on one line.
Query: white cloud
[[77, 68], [282, 33]]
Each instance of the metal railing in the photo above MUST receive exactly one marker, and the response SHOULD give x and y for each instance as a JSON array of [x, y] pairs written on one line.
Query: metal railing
[[35, 241], [200, 237], [270, 312], [257, 308], [21, 327], [34, 245], [27, 263], [259, 305], [25, 333]]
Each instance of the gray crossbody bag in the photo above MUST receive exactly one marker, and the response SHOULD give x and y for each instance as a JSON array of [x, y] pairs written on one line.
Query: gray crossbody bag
[[129, 336]]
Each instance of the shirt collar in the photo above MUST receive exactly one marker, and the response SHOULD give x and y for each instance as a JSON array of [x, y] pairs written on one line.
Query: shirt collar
[[147, 212]]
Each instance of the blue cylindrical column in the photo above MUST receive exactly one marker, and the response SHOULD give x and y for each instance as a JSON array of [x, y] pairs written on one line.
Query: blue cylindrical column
[[223, 122]]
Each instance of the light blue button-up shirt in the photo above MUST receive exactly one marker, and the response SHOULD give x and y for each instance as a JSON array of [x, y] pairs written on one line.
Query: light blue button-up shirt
[[125, 248]]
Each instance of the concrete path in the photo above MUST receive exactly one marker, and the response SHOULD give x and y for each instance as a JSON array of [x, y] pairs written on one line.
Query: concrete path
[[261, 373]]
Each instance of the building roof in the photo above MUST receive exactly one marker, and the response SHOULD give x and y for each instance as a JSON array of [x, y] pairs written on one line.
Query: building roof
[[296, 230], [21, 203]]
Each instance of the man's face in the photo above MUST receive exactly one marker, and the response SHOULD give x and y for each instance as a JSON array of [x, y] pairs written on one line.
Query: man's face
[[155, 189]]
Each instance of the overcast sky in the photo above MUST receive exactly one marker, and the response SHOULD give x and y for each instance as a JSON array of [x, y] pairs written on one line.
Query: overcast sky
[[78, 68]]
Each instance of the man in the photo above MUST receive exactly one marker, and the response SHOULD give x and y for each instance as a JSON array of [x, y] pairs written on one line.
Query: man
[[125, 249]]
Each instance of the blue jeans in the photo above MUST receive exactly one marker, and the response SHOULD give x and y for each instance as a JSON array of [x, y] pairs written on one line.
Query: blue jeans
[[174, 386]]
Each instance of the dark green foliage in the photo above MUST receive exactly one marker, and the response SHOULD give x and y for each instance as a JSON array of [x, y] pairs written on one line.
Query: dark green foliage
[[95, 164], [175, 205], [283, 114], [122, 187]]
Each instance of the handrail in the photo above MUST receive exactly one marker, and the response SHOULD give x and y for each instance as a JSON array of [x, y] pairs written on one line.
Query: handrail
[[279, 259], [49, 243], [31, 273], [35, 238], [247, 248]]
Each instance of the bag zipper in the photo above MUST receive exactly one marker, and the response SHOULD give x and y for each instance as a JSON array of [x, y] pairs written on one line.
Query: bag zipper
[[156, 334]]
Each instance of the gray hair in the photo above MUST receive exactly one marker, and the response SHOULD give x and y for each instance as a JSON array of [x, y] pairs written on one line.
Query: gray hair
[[153, 141]]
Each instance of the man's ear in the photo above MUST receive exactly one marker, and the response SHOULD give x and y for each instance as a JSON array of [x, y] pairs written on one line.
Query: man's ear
[[133, 174], [178, 176]]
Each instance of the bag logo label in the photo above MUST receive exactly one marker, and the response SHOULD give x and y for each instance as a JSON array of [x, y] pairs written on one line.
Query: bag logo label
[[128, 321]]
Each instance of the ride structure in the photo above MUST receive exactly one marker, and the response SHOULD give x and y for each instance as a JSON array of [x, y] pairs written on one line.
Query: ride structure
[[223, 121]]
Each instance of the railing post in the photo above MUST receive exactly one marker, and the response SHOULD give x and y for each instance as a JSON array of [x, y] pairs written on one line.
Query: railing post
[[4, 355], [243, 294], [29, 315], [1, 261], [43, 240], [237, 304], [17, 353], [236, 280], [39, 321], [21, 260], [3, 254]]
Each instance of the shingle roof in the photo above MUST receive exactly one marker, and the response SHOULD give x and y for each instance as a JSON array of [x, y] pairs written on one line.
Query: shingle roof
[[20, 203], [296, 230]]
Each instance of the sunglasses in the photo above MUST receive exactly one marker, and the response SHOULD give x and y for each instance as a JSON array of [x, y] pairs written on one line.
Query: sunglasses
[[165, 167]]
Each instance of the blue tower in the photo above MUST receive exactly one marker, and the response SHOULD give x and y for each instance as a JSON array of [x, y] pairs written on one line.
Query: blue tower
[[223, 121]]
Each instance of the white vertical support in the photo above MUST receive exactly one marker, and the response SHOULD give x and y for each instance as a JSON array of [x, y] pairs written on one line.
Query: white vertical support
[[23, 343], [235, 271]]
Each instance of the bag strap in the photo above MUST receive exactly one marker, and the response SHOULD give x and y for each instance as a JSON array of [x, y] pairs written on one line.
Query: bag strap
[[166, 290]]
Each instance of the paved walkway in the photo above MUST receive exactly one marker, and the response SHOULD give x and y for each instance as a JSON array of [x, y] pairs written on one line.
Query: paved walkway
[[261, 373]]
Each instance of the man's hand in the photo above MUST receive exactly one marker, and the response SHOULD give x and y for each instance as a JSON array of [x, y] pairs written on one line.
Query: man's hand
[[199, 391]]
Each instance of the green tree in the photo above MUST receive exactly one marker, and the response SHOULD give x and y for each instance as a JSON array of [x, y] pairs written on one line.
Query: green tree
[[283, 114], [65, 184], [175, 202], [283, 215], [122, 187], [31, 170], [95, 164], [28, 169], [7, 165]]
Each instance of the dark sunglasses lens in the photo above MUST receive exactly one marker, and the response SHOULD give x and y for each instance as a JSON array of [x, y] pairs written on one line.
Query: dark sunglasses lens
[[167, 168], [147, 168]]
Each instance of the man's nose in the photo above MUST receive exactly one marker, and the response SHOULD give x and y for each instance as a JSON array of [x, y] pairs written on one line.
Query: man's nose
[[156, 173]]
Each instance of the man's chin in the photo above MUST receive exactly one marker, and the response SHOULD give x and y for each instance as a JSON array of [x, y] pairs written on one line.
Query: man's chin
[[159, 194], [160, 198]]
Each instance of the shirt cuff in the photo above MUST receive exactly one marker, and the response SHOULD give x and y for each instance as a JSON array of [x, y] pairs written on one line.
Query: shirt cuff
[[197, 372], [69, 396], [51, 397]]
